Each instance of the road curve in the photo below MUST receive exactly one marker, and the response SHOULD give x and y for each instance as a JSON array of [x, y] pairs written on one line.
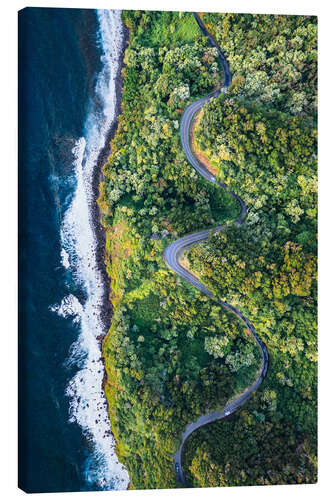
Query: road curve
[[174, 251]]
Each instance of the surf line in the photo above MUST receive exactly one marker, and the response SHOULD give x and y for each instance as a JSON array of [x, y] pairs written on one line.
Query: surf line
[[87, 401]]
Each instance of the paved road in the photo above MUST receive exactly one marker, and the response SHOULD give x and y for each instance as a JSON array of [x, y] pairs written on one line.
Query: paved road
[[174, 251]]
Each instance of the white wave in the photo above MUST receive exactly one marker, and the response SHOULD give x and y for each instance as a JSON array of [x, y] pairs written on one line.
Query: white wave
[[64, 258], [88, 406], [69, 306]]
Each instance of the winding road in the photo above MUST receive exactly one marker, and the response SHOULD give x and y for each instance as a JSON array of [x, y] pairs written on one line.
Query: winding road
[[173, 253]]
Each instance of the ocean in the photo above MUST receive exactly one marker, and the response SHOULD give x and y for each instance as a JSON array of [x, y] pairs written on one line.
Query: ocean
[[69, 60]]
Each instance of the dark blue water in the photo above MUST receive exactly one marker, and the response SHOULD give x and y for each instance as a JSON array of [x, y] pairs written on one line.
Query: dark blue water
[[58, 62]]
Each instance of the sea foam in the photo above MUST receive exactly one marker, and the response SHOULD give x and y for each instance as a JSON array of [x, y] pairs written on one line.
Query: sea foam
[[87, 402]]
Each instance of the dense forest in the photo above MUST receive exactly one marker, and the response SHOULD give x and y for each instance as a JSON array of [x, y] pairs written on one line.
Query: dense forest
[[261, 139], [171, 353]]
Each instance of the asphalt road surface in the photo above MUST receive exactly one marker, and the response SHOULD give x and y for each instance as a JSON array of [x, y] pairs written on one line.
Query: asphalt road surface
[[174, 251]]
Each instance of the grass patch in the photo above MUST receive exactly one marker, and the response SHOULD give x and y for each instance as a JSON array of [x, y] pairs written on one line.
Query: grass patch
[[175, 28], [145, 309], [120, 245]]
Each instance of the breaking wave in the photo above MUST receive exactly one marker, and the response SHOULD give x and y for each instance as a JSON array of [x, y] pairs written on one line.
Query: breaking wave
[[87, 402]]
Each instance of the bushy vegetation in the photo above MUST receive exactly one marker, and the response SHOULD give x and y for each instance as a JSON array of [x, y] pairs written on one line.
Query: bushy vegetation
[[266, 151], [171, 353], [160, 353], [273, 58], [251, 448]]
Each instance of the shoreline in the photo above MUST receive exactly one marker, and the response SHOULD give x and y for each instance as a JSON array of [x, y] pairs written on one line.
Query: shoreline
[[98, 228], [96, 215]]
